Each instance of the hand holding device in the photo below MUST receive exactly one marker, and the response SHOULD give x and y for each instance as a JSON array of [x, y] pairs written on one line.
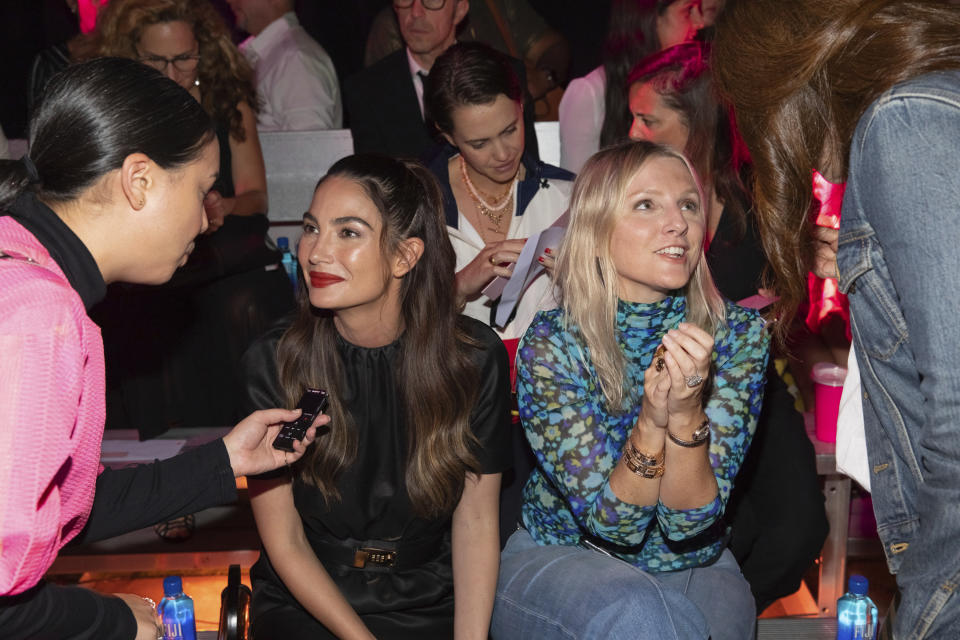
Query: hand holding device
[[312, 403], [249, 443]]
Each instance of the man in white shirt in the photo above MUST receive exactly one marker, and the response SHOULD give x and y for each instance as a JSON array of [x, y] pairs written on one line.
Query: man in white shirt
[[296, 81]]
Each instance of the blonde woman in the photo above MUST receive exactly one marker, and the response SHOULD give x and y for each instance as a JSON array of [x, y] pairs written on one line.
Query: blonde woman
[[639, 396]]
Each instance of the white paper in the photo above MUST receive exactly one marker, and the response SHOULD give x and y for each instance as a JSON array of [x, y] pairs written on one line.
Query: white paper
[[851, 438], [525, 270], [114, 452]]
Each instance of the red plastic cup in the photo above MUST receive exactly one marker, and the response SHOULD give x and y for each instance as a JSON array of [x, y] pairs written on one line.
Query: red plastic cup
[[828, 386]]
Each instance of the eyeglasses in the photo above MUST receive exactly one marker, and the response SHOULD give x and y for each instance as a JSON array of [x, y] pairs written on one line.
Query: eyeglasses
[[432, 5], [183, 63]]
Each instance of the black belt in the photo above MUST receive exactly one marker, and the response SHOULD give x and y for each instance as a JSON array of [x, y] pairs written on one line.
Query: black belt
[[396, 555]]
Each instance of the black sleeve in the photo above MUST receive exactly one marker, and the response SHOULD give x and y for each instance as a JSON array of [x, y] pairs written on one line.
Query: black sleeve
[[490, 419], [133, 498], [260, 378], [52, 612], [258, 372]]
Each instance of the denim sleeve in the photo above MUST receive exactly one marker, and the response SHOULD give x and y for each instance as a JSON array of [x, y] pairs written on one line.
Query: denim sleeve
[[740, 359], [577, 444], [905, 168]]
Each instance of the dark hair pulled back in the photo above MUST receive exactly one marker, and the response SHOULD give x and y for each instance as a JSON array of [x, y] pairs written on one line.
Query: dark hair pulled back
[[468, 73], [95, 114]]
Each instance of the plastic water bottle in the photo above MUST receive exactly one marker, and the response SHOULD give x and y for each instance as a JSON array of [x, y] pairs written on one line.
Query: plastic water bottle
[[176, 611], [289, 262], [856, 613]]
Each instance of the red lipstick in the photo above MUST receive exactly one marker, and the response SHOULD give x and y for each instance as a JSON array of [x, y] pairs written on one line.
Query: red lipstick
[[318, 279]]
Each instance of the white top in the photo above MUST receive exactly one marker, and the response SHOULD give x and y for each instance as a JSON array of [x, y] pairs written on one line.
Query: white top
[[415, 70], [547, 205], [296, 81], [581, 119]]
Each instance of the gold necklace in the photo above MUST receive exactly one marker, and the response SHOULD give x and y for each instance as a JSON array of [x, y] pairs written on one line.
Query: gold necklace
[[494, 212]]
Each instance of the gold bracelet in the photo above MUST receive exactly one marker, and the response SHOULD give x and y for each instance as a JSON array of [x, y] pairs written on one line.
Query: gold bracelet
[[643, 465]]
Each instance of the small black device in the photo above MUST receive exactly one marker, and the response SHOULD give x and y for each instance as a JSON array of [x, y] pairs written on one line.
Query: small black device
[[313, 402]]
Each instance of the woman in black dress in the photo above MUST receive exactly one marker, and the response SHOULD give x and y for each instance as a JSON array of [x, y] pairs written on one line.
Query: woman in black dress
[[390, 527], [776, 512]]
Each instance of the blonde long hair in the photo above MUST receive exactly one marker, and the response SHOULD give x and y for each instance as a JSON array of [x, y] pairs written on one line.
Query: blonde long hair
[[586, 276]]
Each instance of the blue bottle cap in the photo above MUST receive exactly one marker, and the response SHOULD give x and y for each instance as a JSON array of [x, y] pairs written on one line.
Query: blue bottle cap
[[283, 242], [172, 585], [858, 585]]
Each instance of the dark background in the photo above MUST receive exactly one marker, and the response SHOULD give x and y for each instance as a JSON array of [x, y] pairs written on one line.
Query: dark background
[[341, 26]]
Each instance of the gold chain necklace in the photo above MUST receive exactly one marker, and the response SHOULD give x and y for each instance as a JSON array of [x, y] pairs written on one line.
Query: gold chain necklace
[[494, 212]]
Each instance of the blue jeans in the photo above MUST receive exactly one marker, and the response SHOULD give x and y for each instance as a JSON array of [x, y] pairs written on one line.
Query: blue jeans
[[899, 261], [565, 592]]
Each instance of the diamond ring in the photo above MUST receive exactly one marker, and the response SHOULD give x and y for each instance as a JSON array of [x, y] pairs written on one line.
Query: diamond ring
[[694, 380]]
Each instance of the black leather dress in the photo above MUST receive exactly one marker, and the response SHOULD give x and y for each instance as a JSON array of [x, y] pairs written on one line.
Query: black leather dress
[[414, 600]]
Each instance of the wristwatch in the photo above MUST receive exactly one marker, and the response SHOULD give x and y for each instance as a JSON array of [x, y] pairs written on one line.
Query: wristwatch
[[700, 435]]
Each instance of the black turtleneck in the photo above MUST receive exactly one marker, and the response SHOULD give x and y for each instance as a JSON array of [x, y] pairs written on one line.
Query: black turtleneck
[[67, 250]]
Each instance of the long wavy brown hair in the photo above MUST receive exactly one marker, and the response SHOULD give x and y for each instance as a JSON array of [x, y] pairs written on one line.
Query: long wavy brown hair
[[799, 75], [437, 372], [226, 78]]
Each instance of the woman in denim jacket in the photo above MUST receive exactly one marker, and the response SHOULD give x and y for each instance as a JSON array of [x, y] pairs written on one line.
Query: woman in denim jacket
[[872, 96]]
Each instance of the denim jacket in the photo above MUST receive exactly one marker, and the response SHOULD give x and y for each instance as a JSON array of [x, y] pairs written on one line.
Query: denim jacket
[[899, 261]]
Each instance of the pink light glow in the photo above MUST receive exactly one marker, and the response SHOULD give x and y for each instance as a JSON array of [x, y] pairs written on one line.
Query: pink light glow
[[87, 10]]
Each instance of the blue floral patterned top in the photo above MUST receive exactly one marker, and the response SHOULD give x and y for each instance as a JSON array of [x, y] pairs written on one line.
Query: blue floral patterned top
[[578, 440]]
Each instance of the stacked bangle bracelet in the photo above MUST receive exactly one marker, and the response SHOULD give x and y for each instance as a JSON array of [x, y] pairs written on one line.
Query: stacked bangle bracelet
[[700, 436], [642, 464]]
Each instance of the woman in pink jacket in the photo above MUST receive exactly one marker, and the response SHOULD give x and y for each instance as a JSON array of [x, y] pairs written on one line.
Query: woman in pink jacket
[[112, 190]]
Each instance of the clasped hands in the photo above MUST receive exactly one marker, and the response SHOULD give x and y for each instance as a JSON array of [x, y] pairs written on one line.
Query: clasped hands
[[671, 393]]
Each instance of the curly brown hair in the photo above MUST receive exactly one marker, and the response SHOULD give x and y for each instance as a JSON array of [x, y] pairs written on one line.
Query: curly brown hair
[[226, 78]]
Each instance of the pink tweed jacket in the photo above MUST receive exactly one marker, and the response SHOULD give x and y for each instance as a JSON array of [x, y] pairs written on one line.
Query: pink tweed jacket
[[51, 410]]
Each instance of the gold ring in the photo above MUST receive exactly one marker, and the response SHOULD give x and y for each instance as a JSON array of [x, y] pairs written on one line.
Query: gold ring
[[493, 260]]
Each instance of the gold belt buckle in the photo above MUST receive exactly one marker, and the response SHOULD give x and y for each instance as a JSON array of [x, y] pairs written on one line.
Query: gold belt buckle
[[374, 556]]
